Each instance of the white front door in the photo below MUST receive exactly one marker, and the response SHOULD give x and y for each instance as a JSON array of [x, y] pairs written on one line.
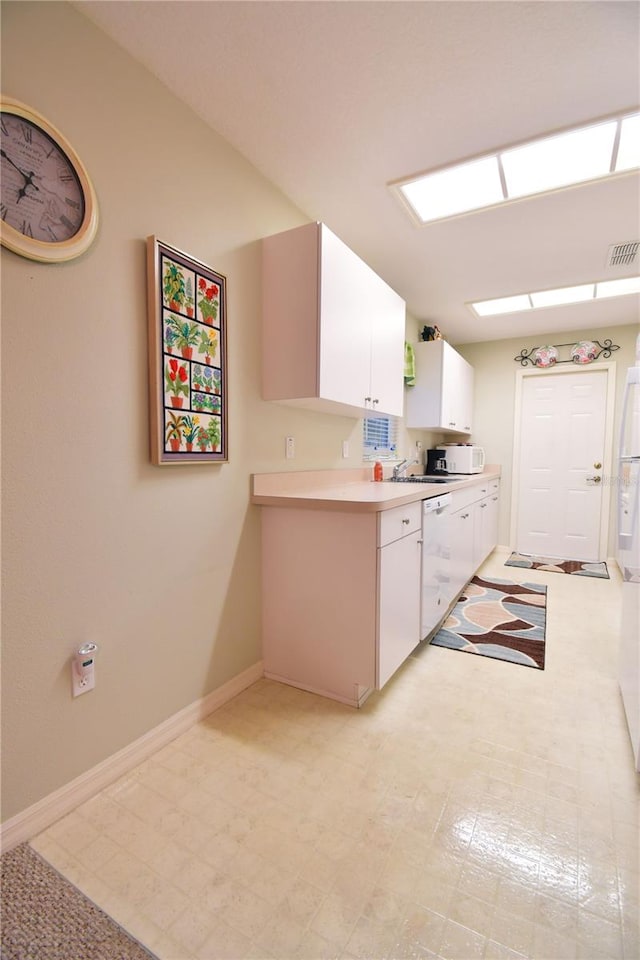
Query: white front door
[[560, 471]]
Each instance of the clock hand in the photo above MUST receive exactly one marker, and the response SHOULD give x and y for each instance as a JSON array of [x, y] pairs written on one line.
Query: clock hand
[[28, 177], [7, 157]]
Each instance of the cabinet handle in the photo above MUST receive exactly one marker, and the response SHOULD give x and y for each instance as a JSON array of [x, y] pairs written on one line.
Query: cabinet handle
[[419, 541], [367, 399], [405, 520], [376, 401], [452, 423], [482, 506], [467, 428], [494, 499]]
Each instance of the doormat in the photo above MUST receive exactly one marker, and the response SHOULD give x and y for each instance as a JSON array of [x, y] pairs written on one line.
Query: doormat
[[44, 917], [579, 568], [499, 619]]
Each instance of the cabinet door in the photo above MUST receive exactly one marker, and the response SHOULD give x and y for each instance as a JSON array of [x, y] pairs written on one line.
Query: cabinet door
[[387, 313], [491, 523], [465, 411], [398, 604], [345, 325], [462, 549], [457, 391], [450, 397]]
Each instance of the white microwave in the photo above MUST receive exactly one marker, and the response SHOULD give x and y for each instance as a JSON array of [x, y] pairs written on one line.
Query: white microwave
[[464, 458]]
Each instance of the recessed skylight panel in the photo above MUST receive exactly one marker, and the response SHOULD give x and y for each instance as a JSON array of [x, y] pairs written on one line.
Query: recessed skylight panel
[[558, 161], [491, 308], [617, 288], [546, 164], [468, 186], [553, 298], [629, 149]]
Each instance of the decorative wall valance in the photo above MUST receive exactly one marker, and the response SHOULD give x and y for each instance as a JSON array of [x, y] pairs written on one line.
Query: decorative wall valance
[[580, 352]]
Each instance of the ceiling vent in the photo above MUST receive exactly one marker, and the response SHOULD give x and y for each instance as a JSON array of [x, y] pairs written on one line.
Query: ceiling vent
[[623, 254]]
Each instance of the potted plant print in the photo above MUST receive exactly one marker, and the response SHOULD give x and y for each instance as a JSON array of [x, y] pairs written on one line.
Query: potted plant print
[[208, 403], [188, 302], [191, 427], [174, 431], [213, 430], [170, 335], [207, 344], [209, 300], [173, 285], [208, 379], [203, 439], [198, 381], [198, 402], [187, 337], [175, 379]]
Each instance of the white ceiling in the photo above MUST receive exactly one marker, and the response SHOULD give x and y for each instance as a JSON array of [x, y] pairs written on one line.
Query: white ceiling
[[333, 100]]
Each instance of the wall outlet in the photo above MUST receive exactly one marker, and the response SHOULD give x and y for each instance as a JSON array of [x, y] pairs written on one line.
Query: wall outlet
[[289, 448], [345, 449], [83, 669]]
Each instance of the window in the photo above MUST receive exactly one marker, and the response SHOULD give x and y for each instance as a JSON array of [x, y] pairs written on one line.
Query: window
[[379, 438]]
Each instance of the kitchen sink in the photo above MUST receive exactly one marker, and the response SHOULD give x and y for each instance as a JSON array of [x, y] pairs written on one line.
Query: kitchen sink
[[422, 479]]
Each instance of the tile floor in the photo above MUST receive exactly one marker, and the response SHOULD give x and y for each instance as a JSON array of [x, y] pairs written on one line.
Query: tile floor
[[473, 808]]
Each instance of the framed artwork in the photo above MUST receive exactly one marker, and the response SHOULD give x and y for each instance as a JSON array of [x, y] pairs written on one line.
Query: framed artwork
[[187, 358]]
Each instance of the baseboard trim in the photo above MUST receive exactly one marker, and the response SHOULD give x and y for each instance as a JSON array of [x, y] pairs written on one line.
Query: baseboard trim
[[25, 825]]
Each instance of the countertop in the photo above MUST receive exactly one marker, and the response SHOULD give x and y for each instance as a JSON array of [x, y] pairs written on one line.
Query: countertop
[[349, 490]]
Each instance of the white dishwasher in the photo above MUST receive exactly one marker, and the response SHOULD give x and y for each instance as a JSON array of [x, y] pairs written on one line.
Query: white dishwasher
[[436, 559]]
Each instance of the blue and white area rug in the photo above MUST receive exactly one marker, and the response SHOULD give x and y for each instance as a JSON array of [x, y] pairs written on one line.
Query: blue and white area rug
[[499, 619], [579, 568]]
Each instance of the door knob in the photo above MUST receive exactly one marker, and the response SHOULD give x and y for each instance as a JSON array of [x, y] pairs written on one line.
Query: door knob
[[597, 466], [595, 479]]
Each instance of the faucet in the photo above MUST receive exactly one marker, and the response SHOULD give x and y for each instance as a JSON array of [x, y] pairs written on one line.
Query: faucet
[[402, 467]]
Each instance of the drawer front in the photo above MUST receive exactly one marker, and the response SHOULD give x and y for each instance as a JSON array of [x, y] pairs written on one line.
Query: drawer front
[[473, 493], [462, 498], [399, 522]]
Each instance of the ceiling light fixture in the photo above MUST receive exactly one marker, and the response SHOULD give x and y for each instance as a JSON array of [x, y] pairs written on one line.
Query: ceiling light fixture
[[592, 152], [552, 298]]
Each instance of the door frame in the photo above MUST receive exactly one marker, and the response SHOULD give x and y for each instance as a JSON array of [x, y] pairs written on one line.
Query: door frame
[[610, 369]]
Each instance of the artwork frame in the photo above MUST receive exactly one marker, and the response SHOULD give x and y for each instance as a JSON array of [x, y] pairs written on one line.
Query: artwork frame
[[187, 318]]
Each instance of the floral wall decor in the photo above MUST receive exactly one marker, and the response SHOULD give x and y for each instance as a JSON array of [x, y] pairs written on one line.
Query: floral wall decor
[[187, 358]]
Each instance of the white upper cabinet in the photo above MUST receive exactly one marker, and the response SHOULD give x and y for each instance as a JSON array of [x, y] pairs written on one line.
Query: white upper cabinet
[[442, 397], [333, 330]]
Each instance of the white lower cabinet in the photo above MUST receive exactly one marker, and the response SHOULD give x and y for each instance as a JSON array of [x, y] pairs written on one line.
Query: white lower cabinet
[[341, 597], [462, 557], [486, 526], [341, 590], [474, 531], [399, 595]]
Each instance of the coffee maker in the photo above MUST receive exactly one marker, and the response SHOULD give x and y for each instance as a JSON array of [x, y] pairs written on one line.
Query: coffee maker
[[436, 462]]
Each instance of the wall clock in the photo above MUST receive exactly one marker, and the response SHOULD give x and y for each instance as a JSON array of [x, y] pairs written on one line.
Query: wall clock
[[47, 202]]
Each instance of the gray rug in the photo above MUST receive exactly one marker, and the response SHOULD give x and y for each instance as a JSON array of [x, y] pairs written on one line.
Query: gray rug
[[44, 917], [579, 568]]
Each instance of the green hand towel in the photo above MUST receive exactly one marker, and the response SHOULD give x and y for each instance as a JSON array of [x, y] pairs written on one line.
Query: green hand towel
[[409, 365]]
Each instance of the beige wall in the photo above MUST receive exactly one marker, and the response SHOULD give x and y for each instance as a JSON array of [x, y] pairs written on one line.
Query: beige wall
[[159, 566], [495, 385]]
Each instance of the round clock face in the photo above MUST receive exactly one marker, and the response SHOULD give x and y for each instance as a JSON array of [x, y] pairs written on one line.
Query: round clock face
[[47, 204]]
